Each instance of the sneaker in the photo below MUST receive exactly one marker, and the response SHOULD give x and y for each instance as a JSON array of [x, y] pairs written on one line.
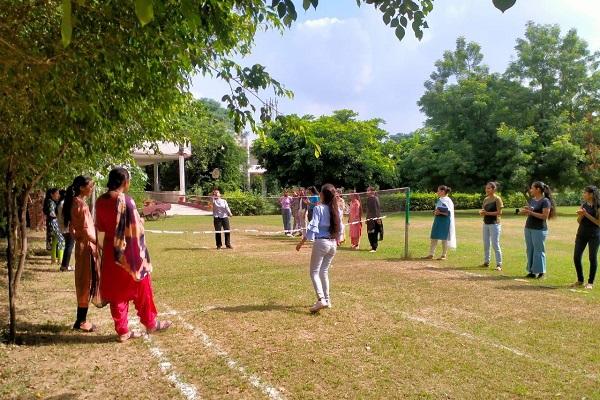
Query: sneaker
[[498, 267], [484, 265], [441, 257], [372, 251], [218, 247], [328, 301], [530, 275], [589, 286], [321, 303], [540, 276], [576, 284]]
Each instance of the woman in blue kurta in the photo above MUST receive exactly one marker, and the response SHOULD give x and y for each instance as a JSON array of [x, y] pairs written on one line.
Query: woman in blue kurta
[[443, 224]]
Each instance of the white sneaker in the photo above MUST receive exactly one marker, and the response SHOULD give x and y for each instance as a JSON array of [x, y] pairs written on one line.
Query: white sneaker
[[328, 301], [318, 306], [589, 286], [372, 251]]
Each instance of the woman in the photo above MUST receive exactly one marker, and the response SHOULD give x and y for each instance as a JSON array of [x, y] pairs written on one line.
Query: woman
[[539, 210], [55, 242], [221, 214], [354, 220], [64, 229], [302, 210], [588, 233], [325, 229], [78, 218], [443, 224], [126, 264], [342, 207], [491, 211], [285, 202], [374, 222], [313, 200]]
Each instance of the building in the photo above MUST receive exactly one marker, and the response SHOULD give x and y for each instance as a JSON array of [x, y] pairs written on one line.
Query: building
[[159, 153]]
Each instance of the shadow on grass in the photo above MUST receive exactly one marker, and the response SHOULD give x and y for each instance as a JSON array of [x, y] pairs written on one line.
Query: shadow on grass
[[247, 308], [49, 334], [186, 249], [529, 288], [483, 277], [63, 396]]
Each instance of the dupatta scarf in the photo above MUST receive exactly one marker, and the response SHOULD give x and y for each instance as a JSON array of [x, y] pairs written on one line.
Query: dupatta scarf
[[447, 202], [130, 249]]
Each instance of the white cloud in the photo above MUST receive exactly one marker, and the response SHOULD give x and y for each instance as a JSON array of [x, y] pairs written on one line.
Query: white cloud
[[319, 23]]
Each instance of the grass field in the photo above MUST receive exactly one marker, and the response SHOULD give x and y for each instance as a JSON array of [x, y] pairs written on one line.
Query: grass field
[[398, 328]]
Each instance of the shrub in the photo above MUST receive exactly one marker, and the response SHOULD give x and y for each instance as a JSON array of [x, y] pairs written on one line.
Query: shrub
[[244, 203]]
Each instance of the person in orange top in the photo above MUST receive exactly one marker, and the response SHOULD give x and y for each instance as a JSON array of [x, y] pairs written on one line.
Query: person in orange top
[[81, 227], [354, 220], [126, 263]]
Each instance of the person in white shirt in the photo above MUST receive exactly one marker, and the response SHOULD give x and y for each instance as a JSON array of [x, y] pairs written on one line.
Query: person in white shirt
[[221, 214]]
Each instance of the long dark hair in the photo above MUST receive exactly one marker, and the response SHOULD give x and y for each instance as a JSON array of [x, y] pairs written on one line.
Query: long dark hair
[[47, 200], [116, 178], [547, 194], [72, 191], [446, 189], [593, 190], [328, 193]]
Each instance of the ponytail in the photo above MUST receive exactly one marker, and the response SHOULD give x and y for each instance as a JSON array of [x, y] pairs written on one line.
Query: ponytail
[[329, 199], [547, 194], [73, 191], [593, 190]]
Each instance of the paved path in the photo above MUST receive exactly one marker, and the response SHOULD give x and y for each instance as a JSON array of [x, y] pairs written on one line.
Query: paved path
[[179, 209]]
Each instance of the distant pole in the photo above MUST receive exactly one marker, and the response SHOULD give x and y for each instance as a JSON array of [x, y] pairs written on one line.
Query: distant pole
[[406, 223]]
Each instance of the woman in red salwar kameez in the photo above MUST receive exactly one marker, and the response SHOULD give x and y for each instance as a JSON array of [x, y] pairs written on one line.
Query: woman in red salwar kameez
[[354, 220], [125, 273]]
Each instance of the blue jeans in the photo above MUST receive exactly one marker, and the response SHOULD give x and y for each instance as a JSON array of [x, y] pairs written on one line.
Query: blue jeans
[[491, 234], [286, 214], [536, 250]]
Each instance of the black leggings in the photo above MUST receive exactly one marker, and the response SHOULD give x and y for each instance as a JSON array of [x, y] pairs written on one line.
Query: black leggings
[[580, 243]]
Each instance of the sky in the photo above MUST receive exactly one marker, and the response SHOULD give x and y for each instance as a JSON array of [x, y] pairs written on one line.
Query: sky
[[343, 56]]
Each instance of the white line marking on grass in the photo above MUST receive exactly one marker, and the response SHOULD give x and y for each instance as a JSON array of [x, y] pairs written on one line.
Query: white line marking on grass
[[520, 280], [188, 391], [579, 291], [490, 343], [270, 391]]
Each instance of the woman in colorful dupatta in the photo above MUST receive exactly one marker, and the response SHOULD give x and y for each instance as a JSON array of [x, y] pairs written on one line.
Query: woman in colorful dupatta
[[81, 228], [126, 263], [443, 224], [354, 220]]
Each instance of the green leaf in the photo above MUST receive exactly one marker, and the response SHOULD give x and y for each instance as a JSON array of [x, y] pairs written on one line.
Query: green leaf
[[358, 3], [281, 9], [306, 4], [403, 21], [144, 11], [315, 3], [400, 32], [66, 26], [503, 5], [394, 22]]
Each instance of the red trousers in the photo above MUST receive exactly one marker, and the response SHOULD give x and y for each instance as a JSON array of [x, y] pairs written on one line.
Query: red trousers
[[143, 300]]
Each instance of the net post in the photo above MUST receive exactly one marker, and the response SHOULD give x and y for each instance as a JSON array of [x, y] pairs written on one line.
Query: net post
[[406, 222]]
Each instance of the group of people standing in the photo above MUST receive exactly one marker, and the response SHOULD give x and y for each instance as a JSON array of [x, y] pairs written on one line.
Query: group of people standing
[[112, 263], [539, 209]]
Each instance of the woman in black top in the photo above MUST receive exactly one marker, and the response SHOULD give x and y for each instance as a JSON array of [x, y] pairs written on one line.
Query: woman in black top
[[588, 217], [540, 208]]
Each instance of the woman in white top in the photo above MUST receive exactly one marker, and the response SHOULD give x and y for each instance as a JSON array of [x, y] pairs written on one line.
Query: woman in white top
[[221, 214]]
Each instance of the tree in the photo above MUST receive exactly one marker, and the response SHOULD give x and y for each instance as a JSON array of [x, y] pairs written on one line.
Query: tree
[[215, 144], [353, 153]]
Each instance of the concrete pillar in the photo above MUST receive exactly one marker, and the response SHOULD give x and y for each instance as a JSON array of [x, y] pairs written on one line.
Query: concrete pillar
[[156, 181], [181, 175]]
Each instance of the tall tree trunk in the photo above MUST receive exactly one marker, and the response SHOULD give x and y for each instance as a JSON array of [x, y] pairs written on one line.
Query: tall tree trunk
[[10, 253], [22, 228]]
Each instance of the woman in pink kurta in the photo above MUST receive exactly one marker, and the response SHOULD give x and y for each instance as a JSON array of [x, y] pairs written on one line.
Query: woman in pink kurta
[[126, 263], [354, 220]]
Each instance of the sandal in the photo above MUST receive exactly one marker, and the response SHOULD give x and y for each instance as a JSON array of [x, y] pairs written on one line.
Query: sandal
[[86, 327], [129, 335], [160, 326]]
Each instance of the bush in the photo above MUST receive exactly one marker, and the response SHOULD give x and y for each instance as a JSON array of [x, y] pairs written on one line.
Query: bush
[[244, 203], [568, 199]]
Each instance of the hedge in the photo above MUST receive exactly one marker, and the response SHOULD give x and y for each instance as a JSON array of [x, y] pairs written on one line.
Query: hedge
[[420, 201]]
